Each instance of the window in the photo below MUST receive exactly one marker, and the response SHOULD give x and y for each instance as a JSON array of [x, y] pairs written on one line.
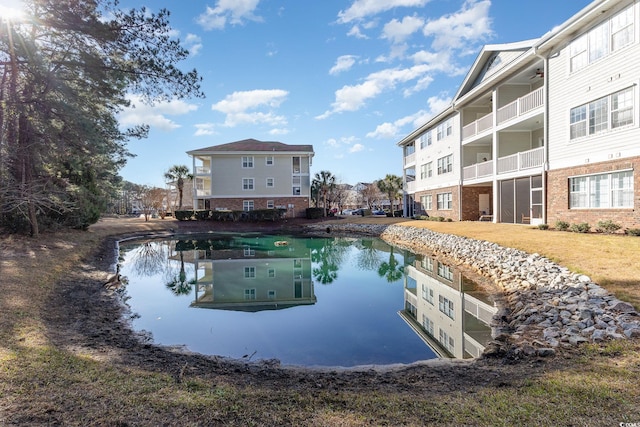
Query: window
[[296, 191], [427, 263], [249, 251], [427, 202], [622, 108], [271, 273], [444, 129], [445, 164], [249, 294], [247, 183], [271, 294], [446, 306], [270, 182], [426, 170], [247, 205], [610, 36], [610, 190], [444, 201], [427, 294], [296, 164], [247, 161], [250, 273], [423, 171], [425, 139], [445, 272], [609, 112], [270, 204], [446, 341], [269, 161], [427, 324]]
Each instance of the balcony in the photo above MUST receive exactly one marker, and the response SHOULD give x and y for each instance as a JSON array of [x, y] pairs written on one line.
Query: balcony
[[203, 193], [479, 170], [521, 106], [203, 170], [482, 124], [521, 161], [410, 158]]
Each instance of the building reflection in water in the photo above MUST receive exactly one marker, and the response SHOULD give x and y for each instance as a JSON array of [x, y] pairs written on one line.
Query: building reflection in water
[[448, 311], [248, 273]]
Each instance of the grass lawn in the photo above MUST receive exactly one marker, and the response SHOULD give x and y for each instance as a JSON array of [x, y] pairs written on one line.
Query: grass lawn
[[54, 372]]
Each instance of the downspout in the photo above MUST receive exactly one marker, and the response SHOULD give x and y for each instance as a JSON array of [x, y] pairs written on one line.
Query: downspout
[[460, 167], [545, 121]]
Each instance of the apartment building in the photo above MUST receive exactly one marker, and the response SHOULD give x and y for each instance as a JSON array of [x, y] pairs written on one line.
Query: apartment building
[[251, 174], [539, 130]]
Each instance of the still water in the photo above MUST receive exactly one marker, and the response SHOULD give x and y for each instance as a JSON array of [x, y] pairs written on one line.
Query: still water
[[304, 301]]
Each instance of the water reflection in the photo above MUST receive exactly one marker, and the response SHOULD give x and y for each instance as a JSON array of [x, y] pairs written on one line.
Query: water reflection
[[446, 309], [261, 297]]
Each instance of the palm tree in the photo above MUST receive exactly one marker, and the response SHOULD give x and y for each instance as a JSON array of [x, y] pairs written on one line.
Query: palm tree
[[178, 173], [325, 182], [391, 186]]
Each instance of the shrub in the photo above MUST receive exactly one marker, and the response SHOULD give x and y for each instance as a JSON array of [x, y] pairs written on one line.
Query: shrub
[[183, 215], [202, 215], [562, 225], [608, 226], [314, 213], [582, 227], [633, 231], [543, 226]]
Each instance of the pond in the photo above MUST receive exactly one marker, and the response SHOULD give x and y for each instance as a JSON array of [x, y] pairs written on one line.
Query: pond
[[305, 301]]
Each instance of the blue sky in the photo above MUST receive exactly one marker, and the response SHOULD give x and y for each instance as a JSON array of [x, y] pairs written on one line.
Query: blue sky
[[350, 77]]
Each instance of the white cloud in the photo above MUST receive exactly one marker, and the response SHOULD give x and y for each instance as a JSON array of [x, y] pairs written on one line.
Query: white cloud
[[193, 44], [204, 129], [356, 147], [399, 31], [239, 105], [360, 9], [355, 32], [279, 131], [343, 63], [352, 98], [471, 24], [154, 115], [395, 130], [233, 12]]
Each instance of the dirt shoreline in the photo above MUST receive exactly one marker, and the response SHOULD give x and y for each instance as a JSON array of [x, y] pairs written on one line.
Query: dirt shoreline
[[84, 318]]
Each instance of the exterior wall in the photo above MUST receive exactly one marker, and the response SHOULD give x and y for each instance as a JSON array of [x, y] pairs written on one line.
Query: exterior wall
[[614, 72], [471, 202], [558, 196], [445, 213], [300, 204]]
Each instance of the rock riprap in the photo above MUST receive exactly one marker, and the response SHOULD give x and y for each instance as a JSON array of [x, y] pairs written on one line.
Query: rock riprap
[[544, 305]]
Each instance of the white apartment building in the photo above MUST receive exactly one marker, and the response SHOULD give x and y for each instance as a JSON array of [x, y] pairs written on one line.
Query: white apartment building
[[540, 130], [251, 174]]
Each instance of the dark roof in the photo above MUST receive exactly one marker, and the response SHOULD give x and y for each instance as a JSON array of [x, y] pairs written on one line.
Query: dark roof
[[247, 145]]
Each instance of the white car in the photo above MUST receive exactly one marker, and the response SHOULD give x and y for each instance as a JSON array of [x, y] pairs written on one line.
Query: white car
[[347, 212]]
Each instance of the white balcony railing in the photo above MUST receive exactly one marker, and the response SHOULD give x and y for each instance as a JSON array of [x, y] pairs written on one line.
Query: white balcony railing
[[201, 193], [482, 124], [479, 170], [410, 158], [521, 161], [521, 106], [203, 170]]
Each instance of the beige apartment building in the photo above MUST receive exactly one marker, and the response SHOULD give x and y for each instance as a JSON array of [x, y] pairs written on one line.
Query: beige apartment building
[[251, 174]]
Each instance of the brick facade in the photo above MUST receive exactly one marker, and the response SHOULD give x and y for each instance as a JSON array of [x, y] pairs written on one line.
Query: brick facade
[[558, 195], [445, 213], [236, 204], [471, 202]]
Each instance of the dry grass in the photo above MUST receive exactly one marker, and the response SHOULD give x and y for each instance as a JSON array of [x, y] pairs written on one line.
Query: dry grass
[[43, 384], [611, 260]]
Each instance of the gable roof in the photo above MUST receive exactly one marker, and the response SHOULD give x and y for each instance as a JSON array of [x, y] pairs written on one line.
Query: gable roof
[[253, 145]]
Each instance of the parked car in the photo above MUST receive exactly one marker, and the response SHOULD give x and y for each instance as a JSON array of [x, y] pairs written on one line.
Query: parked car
[[379, 212], [347, 211], [358, 212]]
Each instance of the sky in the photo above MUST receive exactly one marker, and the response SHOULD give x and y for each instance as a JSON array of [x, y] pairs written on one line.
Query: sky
[[349, 77]]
